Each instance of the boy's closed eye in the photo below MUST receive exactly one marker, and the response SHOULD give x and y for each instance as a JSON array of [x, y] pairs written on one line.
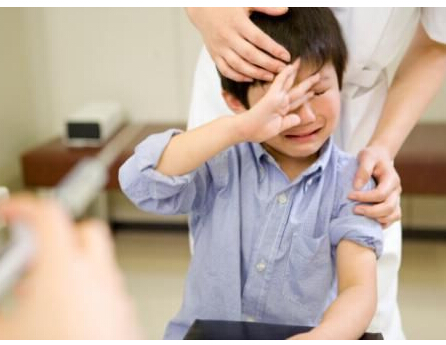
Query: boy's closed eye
[[322, 86], [319, 92]]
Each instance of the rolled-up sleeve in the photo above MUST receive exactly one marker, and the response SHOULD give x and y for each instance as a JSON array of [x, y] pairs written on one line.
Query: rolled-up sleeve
[[153, 191], [346, 225]]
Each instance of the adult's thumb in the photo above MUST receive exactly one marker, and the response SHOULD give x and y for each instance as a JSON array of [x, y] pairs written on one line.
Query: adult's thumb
[[271, 11]]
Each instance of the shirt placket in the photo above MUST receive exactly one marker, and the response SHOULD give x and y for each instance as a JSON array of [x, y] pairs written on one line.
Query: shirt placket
[[262, 268]]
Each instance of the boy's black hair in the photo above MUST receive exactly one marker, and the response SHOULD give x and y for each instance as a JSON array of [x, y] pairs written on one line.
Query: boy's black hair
[[311, 33]]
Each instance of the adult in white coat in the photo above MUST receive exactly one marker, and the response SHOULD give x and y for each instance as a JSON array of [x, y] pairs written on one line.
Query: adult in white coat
[[376, 118]]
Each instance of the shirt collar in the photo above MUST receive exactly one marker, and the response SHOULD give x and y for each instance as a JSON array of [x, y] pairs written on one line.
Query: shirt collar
[[324, 157], [260, 153], [318, 166]]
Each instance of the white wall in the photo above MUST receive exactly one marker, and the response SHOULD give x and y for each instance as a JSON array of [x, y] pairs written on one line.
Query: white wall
[[54, 60], [142, 58], [17, 119]]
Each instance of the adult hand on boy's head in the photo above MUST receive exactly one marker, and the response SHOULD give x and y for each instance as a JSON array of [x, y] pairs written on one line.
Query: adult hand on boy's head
[[236, 45], [375, 161], [273, 112], [73, 289]]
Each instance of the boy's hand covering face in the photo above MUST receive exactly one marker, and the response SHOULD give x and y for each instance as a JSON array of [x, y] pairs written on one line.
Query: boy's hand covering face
[[273, 113]]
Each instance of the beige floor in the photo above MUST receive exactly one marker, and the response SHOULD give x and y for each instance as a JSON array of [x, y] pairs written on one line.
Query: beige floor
[[155, 264]]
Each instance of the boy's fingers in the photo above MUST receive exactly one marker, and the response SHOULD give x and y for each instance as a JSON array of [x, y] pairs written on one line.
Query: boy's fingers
[[303, 87], [280, 80], [285, 79], [296, 64], [289, 121], [291, 77], [298, 102]]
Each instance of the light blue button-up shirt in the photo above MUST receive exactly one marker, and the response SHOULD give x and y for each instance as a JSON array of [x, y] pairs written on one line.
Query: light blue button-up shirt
[[264, 246]]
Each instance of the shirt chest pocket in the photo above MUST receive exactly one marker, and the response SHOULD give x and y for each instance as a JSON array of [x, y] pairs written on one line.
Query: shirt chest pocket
[[309, 272]]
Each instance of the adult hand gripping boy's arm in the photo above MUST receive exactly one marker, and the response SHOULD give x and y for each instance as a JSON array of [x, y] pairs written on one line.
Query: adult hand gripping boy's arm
[[270, 116], [352, 311]]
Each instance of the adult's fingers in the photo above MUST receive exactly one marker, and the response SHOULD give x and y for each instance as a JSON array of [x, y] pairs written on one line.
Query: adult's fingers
[[98, 250], [244, 67], [382, 209], [388, 183], [389, 220], [44, 216], [261, 40], [271, 11], [366, 166], [256, 57], [229, 72], [24, 205], [95, 240]]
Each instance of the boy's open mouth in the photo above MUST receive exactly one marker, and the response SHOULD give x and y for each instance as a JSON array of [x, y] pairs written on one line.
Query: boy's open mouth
[[302, 135]]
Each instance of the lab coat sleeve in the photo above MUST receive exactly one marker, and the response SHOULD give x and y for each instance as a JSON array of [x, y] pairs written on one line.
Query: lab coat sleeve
[[433, 20], [206, 102]]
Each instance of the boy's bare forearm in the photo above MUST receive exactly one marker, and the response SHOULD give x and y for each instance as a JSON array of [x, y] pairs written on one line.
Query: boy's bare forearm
[[351, 313], [189, 150]]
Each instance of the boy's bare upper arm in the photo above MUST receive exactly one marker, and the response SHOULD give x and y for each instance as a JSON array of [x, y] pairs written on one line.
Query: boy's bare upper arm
[[355, 265]]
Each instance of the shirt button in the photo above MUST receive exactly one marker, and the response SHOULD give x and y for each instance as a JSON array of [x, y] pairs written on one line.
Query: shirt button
[[250, 319], [282, 198], [261, 266]]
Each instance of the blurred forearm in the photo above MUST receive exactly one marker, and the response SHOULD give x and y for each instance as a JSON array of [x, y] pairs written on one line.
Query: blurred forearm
[[417, 80]]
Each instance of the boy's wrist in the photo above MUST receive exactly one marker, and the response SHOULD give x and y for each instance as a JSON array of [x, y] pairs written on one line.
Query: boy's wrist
[[314, 334], [237, 128]]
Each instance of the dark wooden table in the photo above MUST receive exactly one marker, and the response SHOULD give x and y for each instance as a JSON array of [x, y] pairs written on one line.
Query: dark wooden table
[[421, 163], [47, 164]]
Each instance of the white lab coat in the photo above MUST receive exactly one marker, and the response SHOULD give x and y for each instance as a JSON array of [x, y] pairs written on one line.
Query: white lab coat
[[374, 38]]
